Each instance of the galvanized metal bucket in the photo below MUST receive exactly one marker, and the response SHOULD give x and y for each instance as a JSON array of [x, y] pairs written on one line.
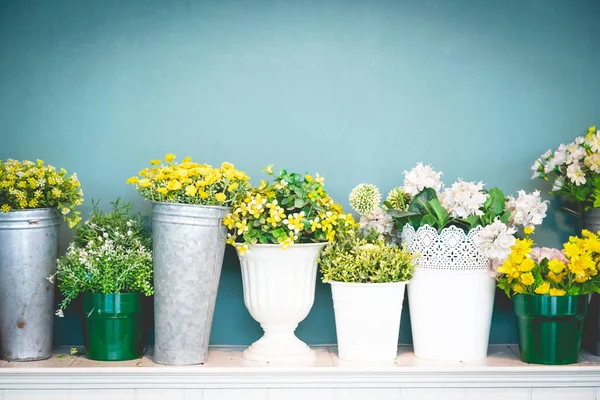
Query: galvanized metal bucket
[[591, 336], [28, 252], [189, 243]]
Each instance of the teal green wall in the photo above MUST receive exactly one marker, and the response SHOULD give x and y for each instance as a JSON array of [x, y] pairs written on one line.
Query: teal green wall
[[355, 90]]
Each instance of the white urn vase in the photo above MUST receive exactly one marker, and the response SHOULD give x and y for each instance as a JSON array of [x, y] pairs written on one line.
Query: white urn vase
[[451, 294], [279, 291]]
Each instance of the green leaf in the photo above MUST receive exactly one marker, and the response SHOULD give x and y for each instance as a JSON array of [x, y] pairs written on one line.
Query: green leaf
[[401, 214], [495, 202], [420, 203], [429, 219], [440, 212], [299, 202]]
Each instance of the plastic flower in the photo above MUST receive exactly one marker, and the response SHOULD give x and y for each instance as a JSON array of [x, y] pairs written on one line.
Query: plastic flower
[[496, 240], [398, 199], [557, 292], [527, 209], [380, 223], [365, 198], [463, 199], [575, 174], [421, 177]]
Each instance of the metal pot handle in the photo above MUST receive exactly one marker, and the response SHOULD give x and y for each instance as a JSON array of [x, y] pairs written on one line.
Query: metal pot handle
[[572, 212]]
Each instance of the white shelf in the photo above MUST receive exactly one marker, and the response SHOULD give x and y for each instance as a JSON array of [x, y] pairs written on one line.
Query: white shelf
[[227, 374]]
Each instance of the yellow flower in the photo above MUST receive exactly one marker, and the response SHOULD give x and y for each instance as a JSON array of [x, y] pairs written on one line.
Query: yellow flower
[[556, 266], [232, 187], [5, 208], [145, 183], [191, 190], [527, 279], [543, 288], [220, 197], [268, 169], [173, 185], [155, 162], [162, 190], [308, 178], [229, 222], [526, 265], [132, 180], [186, 160], [519, 289], [169, 157], [557, 292], [529, 230]]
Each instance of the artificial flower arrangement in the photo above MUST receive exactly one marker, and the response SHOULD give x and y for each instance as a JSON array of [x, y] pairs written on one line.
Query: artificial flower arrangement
[[30, 185], [573, 169], [571, 271], [290, 209], [191, 183], [353, 259], [423, 200], [110, 253]]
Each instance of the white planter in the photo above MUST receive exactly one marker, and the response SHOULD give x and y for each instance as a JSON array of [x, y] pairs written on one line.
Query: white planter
[[279, 291], [451, 294], [367, 320]]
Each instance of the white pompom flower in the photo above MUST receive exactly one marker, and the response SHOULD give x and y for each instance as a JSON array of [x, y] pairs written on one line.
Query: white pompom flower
[[365, 198], [495, 240]]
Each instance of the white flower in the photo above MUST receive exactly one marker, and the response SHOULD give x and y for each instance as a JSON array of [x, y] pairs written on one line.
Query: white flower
[[534, 168], [575, 155], [378, 221], [59, 313], [558, 184], [550, 165], [129, 233], [463, 199], [547, 154], [105, 234], [575, 174], [495, 240], [593, 162], [528, 209], [560, 155], [579, 140], [594, 142], [421, 177]]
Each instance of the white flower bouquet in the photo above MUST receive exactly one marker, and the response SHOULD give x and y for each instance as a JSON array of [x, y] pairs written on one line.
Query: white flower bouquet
[[573, 169], [424, 200]]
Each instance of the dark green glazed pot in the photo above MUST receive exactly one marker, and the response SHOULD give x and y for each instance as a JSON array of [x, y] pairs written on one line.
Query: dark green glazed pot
[[550, 328], [113, 326]]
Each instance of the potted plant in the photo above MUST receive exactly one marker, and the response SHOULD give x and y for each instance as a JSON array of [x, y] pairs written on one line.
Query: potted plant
[[278, 230], [109, 262], [574, 172], [189, 202], [549, 289], [460, 234], [367, 279], [33, 196]]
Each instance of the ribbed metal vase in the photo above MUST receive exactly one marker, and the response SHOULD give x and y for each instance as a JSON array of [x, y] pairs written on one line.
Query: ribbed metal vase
[[28, 252], [189, 243], [591, 221]]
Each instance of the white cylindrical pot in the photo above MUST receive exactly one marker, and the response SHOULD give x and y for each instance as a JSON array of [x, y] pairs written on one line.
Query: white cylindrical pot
[[279, 291], [367, 320], [451, 294]]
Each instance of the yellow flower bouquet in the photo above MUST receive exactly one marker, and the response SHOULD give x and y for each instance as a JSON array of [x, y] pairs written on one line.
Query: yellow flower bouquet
[[543, 271], [28, 185], [291, 209], [191, 183]]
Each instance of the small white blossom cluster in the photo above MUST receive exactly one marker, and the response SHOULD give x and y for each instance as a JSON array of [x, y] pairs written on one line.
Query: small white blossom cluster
[[496, 239], [380, 223], [527, 210], [463, 199], [421, 177]]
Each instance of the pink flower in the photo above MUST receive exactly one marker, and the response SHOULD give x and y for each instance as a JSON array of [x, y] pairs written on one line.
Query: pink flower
[[539, 253]]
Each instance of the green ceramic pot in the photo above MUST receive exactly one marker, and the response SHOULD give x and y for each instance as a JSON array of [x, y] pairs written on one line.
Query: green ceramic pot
[[113, 326], [550, 328]]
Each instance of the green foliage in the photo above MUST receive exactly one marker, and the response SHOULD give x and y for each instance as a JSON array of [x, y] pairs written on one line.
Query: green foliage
[[110, 253], [355, 260], [426, 209]]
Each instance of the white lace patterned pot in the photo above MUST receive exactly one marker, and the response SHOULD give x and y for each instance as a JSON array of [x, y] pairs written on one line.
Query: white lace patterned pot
[[367, 320], [451, 294], [279, 291]]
